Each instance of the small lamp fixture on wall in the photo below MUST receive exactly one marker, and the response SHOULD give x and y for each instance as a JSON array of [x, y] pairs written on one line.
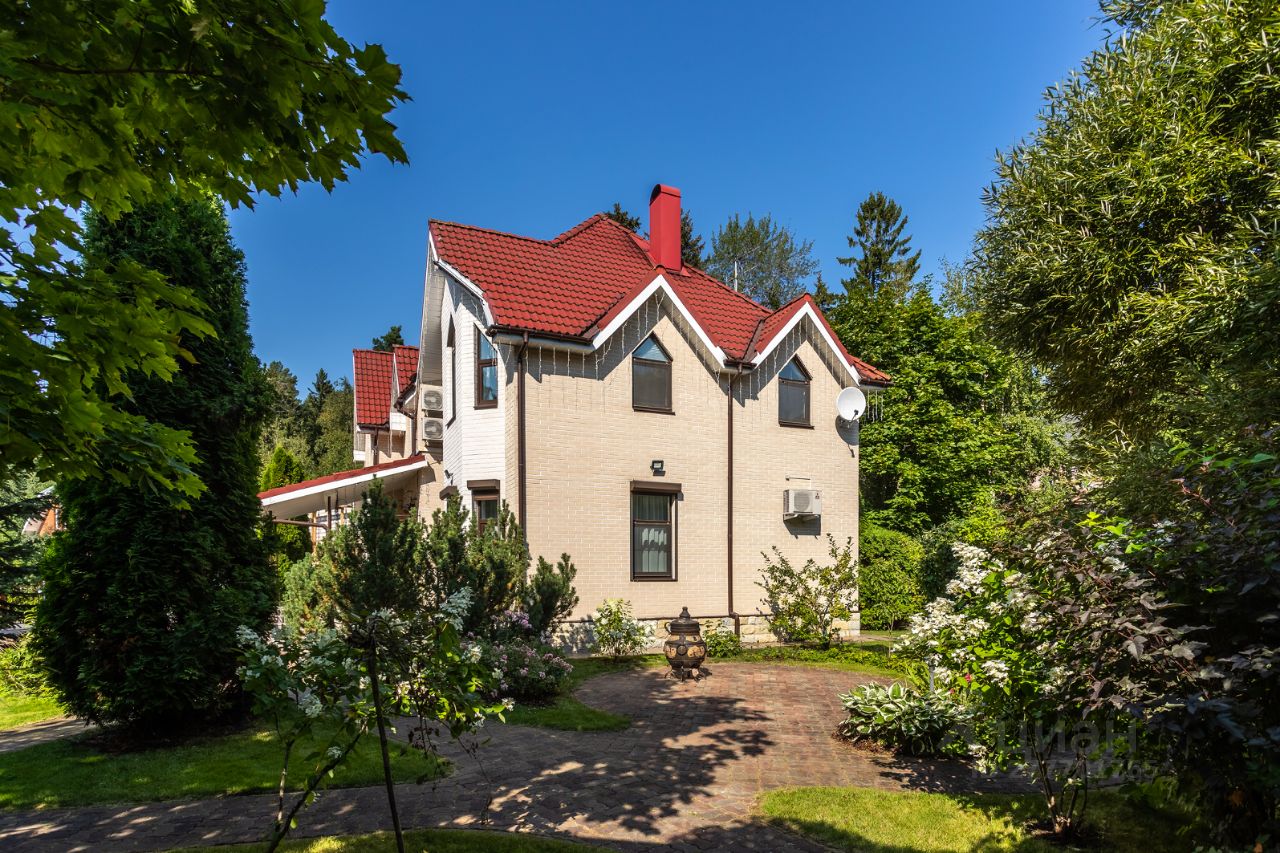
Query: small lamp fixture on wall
[[656, 467]]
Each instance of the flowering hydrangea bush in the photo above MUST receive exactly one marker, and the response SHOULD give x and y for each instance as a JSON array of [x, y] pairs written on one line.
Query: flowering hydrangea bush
[[526, 671], [618, 633], [1062, 650]]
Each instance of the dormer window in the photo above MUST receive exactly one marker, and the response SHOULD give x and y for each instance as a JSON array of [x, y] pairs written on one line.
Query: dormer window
[[651, 377], [793, 395], [486, 373]]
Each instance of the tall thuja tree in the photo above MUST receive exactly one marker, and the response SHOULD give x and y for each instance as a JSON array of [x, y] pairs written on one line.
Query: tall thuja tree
[[142, 600]]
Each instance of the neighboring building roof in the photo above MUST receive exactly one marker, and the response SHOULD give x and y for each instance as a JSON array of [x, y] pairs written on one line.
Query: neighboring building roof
[[381, 378], [576, 284], [374, 371], [372, 471]]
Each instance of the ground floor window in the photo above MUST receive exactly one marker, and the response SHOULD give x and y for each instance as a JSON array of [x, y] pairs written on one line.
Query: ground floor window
[[653, 535], [484, 507]]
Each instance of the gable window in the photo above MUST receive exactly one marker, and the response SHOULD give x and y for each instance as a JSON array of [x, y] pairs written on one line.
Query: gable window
[[653, 534], [651, 377], [486, 373], [793, 395], [453, 374]]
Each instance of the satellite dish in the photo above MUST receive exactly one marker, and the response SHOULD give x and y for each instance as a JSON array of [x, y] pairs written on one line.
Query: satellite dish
[[850, 404]]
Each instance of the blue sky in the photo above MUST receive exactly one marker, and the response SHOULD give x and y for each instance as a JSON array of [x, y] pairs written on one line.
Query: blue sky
[[529, 118]]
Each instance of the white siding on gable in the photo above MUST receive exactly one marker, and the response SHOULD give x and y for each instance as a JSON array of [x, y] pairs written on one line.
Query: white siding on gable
[[474, 446]]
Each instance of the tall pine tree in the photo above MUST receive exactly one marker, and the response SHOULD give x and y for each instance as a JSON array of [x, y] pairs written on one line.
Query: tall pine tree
[[884, 263], [143, 598]]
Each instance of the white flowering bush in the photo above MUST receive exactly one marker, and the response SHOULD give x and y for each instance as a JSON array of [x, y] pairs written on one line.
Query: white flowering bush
[[805, 602], [618, 634], [1062, 651]]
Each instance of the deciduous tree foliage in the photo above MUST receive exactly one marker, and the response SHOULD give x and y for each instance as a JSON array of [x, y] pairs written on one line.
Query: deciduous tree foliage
[[111, 104], [142, 601], [1132, 249], [762, 259]]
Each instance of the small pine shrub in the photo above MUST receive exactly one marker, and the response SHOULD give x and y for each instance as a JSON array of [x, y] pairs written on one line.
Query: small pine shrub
[[548, 595], [618, 634], [917, 723], [306, 595]]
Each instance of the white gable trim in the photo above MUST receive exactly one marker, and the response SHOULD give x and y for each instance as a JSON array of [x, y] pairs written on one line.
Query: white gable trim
[[659, 284], [463, 280], [807, 311], [357, 478]]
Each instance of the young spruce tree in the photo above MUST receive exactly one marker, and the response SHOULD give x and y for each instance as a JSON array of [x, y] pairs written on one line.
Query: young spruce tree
[[142, 598]]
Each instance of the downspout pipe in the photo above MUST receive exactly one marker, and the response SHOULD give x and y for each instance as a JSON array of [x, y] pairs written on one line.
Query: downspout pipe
[[522, 367], [737, 624]]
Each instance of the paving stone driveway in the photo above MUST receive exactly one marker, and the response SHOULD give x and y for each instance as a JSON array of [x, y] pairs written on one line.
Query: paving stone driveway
[[685, 776]]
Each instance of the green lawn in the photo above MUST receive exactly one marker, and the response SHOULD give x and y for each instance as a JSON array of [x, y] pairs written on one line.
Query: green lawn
[[872, 821], [72, 773], [567, 713], [17, 709], [870, 658], [435, 840]]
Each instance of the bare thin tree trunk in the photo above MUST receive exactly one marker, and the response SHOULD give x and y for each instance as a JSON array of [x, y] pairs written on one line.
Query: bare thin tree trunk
[[382, 741]]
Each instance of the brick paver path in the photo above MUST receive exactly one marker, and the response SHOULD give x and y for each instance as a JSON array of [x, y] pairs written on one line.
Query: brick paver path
[[685, 776], [21, 737]]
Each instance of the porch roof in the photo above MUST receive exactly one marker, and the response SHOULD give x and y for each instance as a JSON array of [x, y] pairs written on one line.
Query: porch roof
[[342, 489]]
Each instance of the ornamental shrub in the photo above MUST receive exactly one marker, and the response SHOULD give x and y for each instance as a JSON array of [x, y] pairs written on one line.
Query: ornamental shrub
[[548, 595], [20, 671], [525, 671], [491, 564], [917, 723], [806, 602], [721, 642], [306, 594], [888, 576], [618, 633]]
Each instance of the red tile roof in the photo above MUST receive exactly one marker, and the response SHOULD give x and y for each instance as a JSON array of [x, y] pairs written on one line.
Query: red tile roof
[[381, 379], [341, 475], [406, 367], [373, 370], [575, 284]]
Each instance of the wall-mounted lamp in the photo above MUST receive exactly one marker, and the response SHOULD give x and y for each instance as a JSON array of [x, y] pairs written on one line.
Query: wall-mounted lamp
[[656, 467]]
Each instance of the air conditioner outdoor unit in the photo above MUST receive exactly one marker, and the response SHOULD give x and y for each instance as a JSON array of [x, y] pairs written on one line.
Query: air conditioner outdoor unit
[[433, 399], [802, 503], [433, 429]]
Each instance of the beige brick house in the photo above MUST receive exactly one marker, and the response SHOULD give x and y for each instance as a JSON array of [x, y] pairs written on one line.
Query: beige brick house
[[633, 412]]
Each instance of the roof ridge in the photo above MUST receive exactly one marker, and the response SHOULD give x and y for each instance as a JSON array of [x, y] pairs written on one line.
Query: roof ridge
[[729, 289], [371, 349], [490, 231], [578, 229]]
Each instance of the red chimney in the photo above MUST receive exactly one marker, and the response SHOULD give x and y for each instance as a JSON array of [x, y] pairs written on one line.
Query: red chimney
[[664, 227]]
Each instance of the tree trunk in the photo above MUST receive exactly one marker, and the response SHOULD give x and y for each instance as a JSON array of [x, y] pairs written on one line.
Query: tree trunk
[[382, 742]]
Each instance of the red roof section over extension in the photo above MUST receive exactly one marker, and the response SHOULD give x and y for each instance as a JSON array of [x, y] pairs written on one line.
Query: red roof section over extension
[[341, 475], [373, 371], [406, 364], [574, 285]]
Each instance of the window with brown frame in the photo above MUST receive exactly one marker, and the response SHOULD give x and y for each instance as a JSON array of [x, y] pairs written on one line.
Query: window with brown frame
[[453, 374], [484, 509], [486, 373], [793, 395], [651, 377], [653, 535]]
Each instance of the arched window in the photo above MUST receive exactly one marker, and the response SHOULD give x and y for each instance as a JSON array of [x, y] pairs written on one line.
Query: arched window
[[651, 377], [453, 373], [793, 395]]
